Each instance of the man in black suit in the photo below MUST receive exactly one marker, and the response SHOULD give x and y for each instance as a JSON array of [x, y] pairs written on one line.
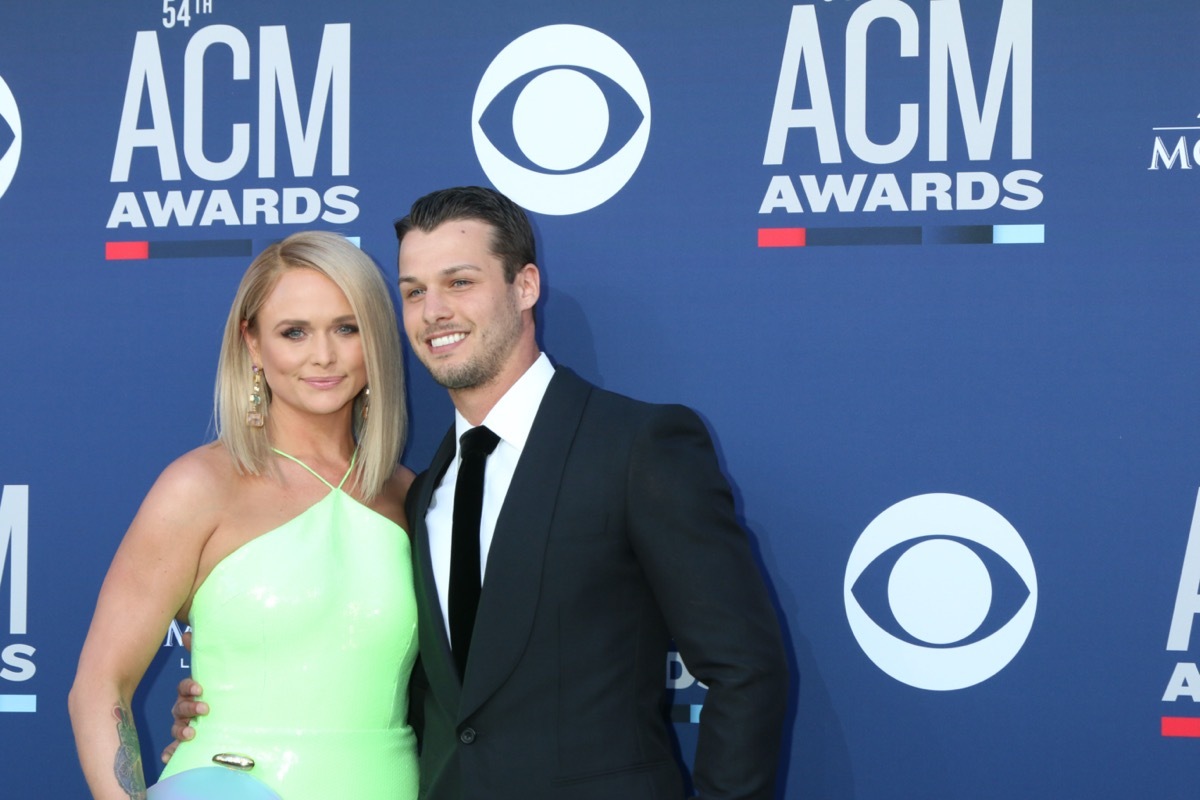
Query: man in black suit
[[607, 529]]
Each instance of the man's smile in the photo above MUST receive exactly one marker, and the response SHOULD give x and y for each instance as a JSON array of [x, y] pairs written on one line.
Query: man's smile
[[446, 339]]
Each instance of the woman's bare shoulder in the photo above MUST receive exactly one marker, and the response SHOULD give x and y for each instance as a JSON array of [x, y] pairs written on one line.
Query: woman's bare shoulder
[[401, 480], [199, 478]]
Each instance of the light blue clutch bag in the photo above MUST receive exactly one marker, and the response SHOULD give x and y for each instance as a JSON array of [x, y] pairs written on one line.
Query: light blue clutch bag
[[211, 783]]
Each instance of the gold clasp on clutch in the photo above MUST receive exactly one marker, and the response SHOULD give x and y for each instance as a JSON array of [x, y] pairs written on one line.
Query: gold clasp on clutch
[[234, 761]]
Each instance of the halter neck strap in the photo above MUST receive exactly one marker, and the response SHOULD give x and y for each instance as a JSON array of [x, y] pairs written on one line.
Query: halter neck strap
[[353, 459]]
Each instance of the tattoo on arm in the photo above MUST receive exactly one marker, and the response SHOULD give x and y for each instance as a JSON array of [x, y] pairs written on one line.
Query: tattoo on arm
[[128, 764]]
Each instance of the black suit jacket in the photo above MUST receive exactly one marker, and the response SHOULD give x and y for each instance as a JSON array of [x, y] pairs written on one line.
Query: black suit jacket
[[617, 533]]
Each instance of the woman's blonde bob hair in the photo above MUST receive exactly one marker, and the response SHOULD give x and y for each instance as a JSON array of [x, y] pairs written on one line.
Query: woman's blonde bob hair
[[381, 436]]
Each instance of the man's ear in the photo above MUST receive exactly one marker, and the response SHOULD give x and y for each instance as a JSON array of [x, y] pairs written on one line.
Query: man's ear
[[529, 286]]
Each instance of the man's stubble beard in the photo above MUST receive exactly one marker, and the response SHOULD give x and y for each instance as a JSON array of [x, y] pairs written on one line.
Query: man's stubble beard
[[495, 348]]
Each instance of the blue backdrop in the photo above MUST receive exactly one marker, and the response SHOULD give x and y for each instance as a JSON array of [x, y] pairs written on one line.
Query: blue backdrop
[[926, 267]]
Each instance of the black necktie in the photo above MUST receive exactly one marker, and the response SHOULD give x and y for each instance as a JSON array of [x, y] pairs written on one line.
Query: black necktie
[[475, 446]]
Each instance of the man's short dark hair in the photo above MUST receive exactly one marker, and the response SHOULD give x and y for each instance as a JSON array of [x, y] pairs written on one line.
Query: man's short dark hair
[[512, 235]]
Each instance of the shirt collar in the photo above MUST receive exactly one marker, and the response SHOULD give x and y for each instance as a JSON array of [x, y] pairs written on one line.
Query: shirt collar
[[512, 416]]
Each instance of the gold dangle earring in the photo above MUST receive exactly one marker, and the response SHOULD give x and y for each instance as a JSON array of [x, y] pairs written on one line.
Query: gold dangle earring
[[254, 415], [366, 406]]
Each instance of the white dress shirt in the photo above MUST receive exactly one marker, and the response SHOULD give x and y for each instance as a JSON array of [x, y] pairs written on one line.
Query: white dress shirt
[[510, 419]]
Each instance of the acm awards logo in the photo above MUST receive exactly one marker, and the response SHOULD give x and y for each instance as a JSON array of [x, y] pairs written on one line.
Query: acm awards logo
[[806, 120], [940, 592], [16, 656], [1184, 684], [561, 119], [10, 117], [243, 128]]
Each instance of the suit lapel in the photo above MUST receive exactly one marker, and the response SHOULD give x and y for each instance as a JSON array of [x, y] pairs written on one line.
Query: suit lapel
[[512, 581], [434, 644]]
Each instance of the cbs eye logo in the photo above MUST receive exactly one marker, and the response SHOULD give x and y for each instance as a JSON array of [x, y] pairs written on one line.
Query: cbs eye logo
[[10, 125], [571, 111], [951, 590]]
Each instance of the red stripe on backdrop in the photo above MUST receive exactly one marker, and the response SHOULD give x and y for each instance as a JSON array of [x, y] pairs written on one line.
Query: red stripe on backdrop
[[1181, 726], [123, 251], [782, 237]]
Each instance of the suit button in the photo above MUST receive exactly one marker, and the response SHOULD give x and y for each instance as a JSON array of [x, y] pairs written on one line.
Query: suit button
[[466, 735]]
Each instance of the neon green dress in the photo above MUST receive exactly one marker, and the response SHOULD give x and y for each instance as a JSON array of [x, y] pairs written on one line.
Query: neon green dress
[[304, 640]]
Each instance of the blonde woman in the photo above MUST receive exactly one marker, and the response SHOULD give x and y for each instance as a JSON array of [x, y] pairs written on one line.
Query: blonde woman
[[283, 543]]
